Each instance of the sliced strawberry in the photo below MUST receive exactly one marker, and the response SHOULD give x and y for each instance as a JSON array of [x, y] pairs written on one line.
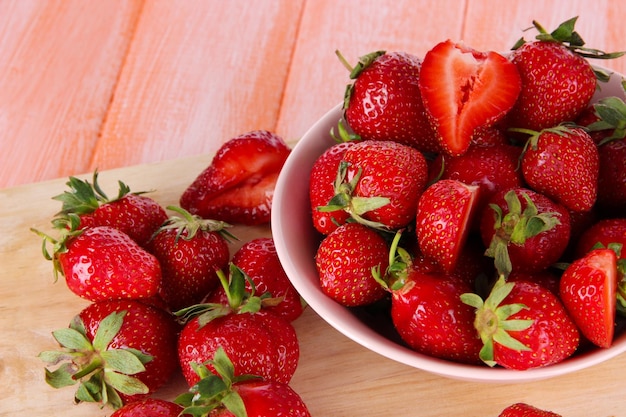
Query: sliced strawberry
[[464, 89], [588, 291], [444, 214], [238, 185]]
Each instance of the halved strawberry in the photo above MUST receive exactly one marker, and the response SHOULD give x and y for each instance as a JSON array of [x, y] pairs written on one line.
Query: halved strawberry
[[463, 90], [238, 185], [588, 290], [444, 214]]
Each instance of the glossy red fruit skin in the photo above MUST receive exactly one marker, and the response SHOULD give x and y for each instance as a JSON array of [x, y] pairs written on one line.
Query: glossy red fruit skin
[[344, 262], [189, 266], [321, 189], [604, 232], [444, 215], [541, 251], [386, 103], [557, 85], [493, 168], [267, 398], [259, 260], [526, 410], [147, 329], [105, 263], [392, 170], [564, 166], [150, 407], [588, 291], [238, 185], [136, 215], [552, 337], [429, 316], [262, 344]]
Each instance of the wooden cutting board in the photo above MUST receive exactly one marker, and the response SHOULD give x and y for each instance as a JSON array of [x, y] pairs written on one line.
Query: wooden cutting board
[[335, 377]]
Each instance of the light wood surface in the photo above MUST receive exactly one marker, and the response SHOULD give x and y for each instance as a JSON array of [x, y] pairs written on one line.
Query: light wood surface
[[148, 90]]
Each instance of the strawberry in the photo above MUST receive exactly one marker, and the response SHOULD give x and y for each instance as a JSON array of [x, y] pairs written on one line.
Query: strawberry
[[444, 214], [463, 90], [588, 290], [562, 163], [102, 262], [189, 249], [117, 351], [344, 262], [523, 325], [379, 183], [150, 407], [493, 168], [524, 230], [136, 215], [321, 188], [604, 233], [229, 395], [426, 309], [238, 185], [258, 259], [259, 342], [557, 81], [526, 410], [384, 101]]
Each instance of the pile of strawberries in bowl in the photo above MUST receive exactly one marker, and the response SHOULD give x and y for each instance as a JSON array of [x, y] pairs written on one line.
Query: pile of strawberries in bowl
[[464, 212]]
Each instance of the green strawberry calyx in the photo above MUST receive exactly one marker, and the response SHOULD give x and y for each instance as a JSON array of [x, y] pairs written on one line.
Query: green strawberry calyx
[[344, 198], [611, 112], [188, 225], [364, 62], [101, 372], [516, 227], [240, 300], [214, 391], [493, 322], [400, 261]]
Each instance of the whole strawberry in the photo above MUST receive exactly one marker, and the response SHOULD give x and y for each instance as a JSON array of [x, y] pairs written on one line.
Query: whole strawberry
[[384, 101], [150, 407], [526, 410], [190, 250], [238, 185], [524, 230], [344, 262], [258, 342], [230, 395], [135, 214], [117, 351], [102, 262], [321, 188], [379, 183], [557, 81], [444, 216], [563, 164], [522, 326], [465, 90], [258, 259]]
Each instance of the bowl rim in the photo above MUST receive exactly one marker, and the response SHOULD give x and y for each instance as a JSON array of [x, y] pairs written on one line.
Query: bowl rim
[[348, 324]]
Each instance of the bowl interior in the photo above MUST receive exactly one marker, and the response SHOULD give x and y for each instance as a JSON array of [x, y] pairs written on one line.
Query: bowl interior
[[296, 244]]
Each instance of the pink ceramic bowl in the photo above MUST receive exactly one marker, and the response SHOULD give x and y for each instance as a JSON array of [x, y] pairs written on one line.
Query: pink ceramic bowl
[[296, 243]]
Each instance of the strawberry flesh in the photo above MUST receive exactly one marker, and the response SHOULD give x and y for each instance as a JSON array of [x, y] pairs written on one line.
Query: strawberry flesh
[[464, 89]]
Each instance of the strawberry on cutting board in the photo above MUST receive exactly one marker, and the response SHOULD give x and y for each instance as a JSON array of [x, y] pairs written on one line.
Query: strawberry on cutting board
[[117, 352], [238, 185], [464, 90], [133, 213], [526, 410]]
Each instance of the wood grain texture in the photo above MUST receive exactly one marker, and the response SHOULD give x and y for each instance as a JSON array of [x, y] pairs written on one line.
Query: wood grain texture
[[198, 73], [335, 376], [59, 63]]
